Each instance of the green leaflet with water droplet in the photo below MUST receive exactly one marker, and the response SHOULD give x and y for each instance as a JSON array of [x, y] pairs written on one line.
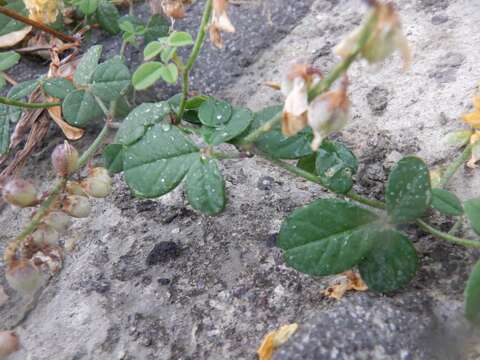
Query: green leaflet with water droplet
[[327, 237], [158, 161], [392, 262], [113, 156], [238, 123], [139, 119], [214, 112], [80, 107], [335, 166], [408, 194], [205, 187], [110, 80], [86, 66]]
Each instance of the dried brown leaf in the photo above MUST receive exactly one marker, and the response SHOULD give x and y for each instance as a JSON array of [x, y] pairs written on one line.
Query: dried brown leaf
[[274, 339], [349, 280], [13, 38], [70, 132]]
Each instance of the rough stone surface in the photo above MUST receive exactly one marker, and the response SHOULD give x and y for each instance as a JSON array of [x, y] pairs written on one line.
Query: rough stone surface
[[225, 285]]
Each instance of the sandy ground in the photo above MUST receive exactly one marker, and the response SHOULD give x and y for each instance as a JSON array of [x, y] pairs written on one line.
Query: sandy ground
[[155, 280]]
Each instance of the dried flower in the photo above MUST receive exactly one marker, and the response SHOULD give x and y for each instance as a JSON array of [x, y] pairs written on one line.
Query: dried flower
[[65, 159], [328, 113], [172, 8], [220, 22], [274, 339], [473, 119], [8, 343], [20, 193], [44, 11], [386, 37], [295, 87]]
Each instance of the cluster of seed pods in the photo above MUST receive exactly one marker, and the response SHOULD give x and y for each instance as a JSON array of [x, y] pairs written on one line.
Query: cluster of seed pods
[[40, 254]]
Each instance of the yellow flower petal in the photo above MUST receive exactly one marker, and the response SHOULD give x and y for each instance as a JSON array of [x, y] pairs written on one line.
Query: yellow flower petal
[[275, 339], [476, 103], [350, 281], [472, 119]]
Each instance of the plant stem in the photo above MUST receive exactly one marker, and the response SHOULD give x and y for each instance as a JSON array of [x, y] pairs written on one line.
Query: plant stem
[[448, 237], [17, 103], [10, 251], [202, 31], [455, 165], [323, 85], [14, 15]]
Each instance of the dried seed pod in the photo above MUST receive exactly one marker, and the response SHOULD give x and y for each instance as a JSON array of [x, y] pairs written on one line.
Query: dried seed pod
[[45, 235], [75, 188], [58, 220], [22, 276], [64, 159], [76, 206], [100, 173], [97, 187], [20, 193], [8, 343]]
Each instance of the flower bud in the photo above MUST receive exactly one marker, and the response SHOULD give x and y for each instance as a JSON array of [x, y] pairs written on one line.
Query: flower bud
[[20, 193], [24, 278], [45, 235], [74, 188], [77, 206], [65, 159], [97, 187], [8, 343], [58, 221]]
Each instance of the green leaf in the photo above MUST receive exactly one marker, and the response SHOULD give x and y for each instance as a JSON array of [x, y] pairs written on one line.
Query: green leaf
[[472, 295], [107, 17], [458, 138], [139, 119], [58, 87], [446, 202], [86, 67], [7, 24], [79, 108], [157, 27], [159, 161], [214, 112], [131, 24], [335, 166], [113, 156], [110, 80], [167, 54], [180, 38], [8, 59], [4, 129], [205, 187], [147, 74], [472, 210], [23, 89], [238, 123], [391, 264], [307, 163], [408, 194], [88, 7], [275, 143], [152, 49], [3, 82], [169, 73], [326, 237]]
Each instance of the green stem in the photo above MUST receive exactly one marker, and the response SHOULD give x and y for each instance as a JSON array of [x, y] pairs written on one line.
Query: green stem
[[17, 103], [202, 31], [448, 237], [44, 208], [455, 165]]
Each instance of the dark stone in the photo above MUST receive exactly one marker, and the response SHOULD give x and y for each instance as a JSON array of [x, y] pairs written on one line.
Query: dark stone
[[265, 183], [377, 99], [439, 19], [164, 281], [163, 252]]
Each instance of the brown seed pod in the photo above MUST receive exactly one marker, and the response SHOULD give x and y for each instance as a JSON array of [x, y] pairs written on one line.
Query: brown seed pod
[[77, 206], [97, 187], [8, 343], [20, 193], [64, 159]]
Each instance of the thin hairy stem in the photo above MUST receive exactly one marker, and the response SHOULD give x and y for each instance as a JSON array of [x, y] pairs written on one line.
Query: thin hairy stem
[[202, 32], [14, 15], [27, 105], [10, 251], [448, 237], [455, 165]]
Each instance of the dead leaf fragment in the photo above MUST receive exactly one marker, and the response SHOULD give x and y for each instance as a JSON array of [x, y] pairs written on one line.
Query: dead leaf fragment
[[349, 280], [13, 38], [70, 132], [274, 339]]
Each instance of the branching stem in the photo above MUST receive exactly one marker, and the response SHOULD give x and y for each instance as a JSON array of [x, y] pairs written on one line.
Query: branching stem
[[202, 32]]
